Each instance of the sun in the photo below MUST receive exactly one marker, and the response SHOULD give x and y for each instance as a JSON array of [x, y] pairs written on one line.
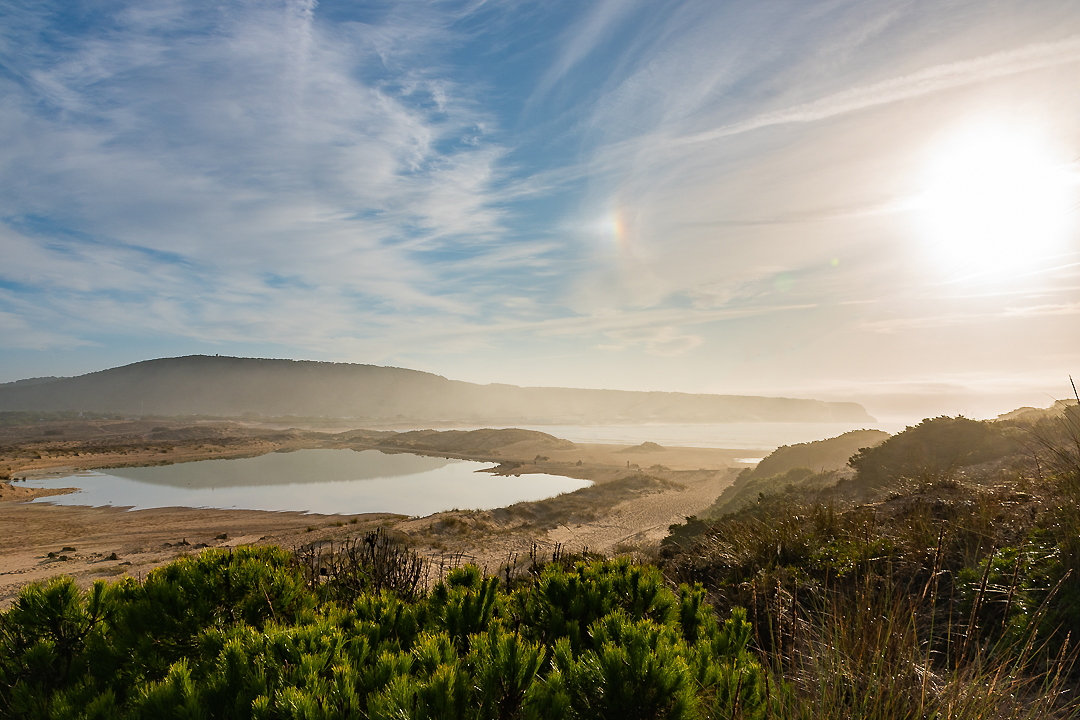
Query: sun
[[998, 201]]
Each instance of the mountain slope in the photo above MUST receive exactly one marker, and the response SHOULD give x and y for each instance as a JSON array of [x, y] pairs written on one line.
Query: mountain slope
[[231, 387]]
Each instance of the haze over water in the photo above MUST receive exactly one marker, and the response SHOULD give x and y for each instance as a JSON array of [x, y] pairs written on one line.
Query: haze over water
[[759, 437]]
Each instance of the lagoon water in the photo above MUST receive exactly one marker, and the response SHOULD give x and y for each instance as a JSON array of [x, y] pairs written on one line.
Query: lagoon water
[[318, 481]]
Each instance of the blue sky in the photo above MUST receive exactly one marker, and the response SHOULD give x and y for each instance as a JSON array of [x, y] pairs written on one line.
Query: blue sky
[[779, 197]]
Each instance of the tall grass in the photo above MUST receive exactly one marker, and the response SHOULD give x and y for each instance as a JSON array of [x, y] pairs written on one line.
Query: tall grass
[[881, 654], [372, 563], [1055, 446]]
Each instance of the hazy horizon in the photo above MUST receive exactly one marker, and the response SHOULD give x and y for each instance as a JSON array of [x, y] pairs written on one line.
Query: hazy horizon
[[891, 423], [843, 200]]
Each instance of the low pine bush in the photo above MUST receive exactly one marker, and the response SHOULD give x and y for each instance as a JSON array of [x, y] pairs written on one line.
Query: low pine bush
[[247, 634]]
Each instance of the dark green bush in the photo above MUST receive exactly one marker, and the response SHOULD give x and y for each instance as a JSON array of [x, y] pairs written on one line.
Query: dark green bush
[[933, 451], [243, 634]]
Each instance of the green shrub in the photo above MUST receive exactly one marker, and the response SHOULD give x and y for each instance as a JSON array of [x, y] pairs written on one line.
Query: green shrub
[[933, 450], [244, 635]]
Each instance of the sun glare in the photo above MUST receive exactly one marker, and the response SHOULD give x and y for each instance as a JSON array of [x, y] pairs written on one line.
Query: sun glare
[[997, 201]]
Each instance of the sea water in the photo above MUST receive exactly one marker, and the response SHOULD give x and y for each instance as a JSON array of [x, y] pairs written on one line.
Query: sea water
[[759, 437]]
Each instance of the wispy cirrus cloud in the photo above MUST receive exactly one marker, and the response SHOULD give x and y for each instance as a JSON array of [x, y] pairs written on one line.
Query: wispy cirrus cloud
[[928, 80], [19, 333], [1072, 308], [968, 319], [196, 152], [581, 39]]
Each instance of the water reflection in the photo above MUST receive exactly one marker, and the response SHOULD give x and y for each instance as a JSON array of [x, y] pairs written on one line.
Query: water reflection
[[284, 468], [321, 481]]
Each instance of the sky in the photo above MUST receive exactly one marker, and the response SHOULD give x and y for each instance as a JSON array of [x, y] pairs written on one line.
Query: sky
[[838, 199]]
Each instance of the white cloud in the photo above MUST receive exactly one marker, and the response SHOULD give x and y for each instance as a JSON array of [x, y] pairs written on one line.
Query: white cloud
[[669, 342], [907, 324], [19, 334], [246, 183], [1036, 310], [969, 319], [581, 39]]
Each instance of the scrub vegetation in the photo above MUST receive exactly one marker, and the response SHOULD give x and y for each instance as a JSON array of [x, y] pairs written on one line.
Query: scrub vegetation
[[938, 577]]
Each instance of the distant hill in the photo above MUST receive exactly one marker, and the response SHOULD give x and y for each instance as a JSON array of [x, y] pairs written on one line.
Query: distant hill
[[31, 381], [233, 387], [1032, 415]]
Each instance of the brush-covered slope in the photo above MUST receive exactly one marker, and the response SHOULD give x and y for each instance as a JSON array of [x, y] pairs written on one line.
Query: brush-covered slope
[[942, 449], [814, 463], [231, 387]]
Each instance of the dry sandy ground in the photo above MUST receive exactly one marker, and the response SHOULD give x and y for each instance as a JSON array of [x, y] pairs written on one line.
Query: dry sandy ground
[[643, 521], [638, 492], [92, 543]]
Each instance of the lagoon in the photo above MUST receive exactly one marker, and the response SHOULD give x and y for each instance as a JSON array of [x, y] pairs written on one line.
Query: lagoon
[[317, 481]]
